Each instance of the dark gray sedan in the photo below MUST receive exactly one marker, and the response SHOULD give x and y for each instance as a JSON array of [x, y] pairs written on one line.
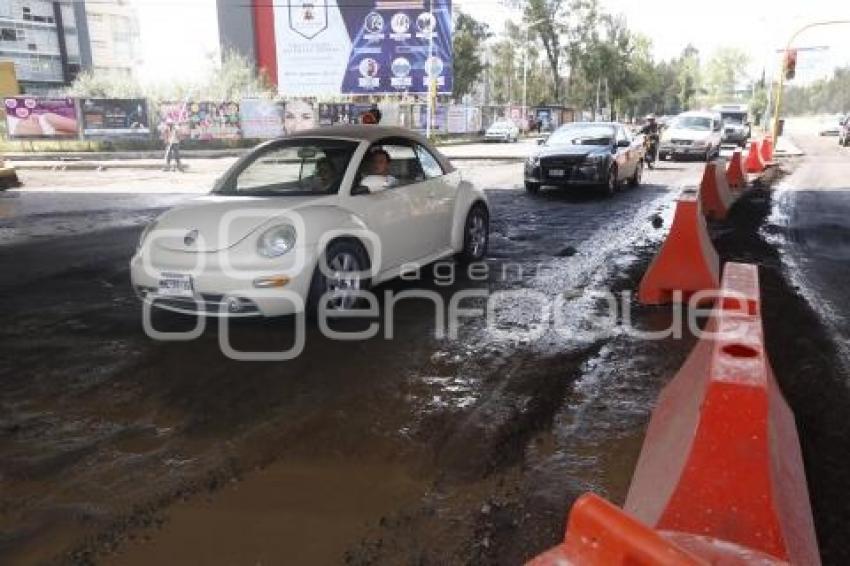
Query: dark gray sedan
[[597, 154]]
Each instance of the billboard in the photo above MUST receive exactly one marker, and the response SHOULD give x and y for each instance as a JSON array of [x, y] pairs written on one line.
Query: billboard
[[202, 121], [331, 47], [115, 117], [330, 114], [261, 119], [29, 117]]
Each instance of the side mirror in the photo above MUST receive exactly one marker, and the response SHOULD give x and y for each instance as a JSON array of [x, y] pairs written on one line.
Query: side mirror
[[359, 190]]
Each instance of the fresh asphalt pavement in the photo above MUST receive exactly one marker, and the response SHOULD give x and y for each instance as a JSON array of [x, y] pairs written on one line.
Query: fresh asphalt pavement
[[412, 448]]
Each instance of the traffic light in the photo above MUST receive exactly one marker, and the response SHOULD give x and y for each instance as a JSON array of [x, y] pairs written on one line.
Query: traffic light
[[790, 64]]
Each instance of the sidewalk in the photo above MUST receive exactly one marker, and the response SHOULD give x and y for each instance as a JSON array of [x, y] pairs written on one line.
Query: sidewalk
[[786, 147]]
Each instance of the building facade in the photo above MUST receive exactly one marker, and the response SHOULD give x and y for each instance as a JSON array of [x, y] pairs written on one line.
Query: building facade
[[46, 40], [114, 33]]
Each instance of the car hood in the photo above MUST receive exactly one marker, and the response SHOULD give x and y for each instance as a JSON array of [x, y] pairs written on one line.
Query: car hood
[[691, 135], [220, 222], [572, 150]]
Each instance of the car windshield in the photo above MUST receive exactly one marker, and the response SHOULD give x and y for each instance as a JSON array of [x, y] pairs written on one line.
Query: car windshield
[[584, 134], [501, 125], [295, 167], [734, 118], [692, 123]]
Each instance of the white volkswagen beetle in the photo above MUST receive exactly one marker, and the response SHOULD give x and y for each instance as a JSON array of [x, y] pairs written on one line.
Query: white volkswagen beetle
[[310, 219]]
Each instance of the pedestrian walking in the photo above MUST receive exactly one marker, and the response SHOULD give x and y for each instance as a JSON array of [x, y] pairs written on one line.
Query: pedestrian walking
[[171, 137]]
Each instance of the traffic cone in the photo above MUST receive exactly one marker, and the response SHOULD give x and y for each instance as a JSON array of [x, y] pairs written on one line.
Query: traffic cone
[[735, 174], [687, 261], [767, 149], [721, 457], [754, 163], [714, 194]]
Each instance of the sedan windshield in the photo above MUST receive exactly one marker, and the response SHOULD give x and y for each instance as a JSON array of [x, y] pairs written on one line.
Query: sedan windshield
[[296, 167], [584, 134], [692, 123]]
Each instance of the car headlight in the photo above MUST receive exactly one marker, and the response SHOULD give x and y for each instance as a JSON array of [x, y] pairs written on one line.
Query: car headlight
[[276, 241], [700, 143], [594, 159], [148, 229]]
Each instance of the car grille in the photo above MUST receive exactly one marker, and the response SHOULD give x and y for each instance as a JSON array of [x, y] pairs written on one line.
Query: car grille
[[561, 161], [681, 142], [206, 303]]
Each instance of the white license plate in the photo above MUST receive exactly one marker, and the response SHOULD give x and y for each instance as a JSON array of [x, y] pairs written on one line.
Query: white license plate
[[176, 285], [556, 172]]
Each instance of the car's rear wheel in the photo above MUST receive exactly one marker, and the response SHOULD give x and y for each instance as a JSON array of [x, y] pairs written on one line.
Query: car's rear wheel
[[636, 178], [531, 187], [476, 234], [339, 277]]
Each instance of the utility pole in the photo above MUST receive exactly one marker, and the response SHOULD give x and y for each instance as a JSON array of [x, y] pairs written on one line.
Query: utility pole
[[429, 69]]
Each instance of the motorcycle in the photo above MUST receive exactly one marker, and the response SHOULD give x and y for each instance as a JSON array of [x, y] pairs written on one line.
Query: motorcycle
[[650, 147]]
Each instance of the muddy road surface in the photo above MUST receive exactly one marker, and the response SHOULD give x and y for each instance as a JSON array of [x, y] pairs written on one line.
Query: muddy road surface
[[409, 448]]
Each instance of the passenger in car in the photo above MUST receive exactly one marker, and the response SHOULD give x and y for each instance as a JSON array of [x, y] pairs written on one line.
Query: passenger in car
[[379, 164]]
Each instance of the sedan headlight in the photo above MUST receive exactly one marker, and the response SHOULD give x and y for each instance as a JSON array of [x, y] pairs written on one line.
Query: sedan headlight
[[276, 241], [148, 229], [594, 159], [700, 143]]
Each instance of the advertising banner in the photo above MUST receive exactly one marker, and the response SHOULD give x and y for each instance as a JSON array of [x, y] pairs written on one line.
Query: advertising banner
[[439, 118], [261, 119], [115, 117], [28, 117], [330, 114], [456, 120], [203, 121], [327, 47]]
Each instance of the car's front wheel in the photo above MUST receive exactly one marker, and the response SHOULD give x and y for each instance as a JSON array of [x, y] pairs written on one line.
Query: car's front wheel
[[476, 234], [610, 185], [342, 273]]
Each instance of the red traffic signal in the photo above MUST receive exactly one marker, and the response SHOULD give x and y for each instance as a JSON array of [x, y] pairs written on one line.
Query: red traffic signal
[[790, 64]]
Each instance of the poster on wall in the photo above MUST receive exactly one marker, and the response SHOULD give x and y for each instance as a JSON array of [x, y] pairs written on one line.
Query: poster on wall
[[29, 117], [363, 47], [203, 121], [299, 115], [261, 119], [115, 117], [336, 113]]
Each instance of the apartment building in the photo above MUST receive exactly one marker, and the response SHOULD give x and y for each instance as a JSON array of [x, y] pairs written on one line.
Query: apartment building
[[114, 33]]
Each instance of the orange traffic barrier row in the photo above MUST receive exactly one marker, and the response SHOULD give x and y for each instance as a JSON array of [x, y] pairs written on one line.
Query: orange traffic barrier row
[[720, 477], [715, 196], [687, 261]]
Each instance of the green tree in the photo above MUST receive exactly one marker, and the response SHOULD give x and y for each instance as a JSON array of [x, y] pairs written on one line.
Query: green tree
[[545, 20], [467, 43], [723, 73]]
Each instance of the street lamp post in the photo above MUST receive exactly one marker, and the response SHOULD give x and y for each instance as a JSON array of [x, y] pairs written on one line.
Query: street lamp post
[[781, 82]]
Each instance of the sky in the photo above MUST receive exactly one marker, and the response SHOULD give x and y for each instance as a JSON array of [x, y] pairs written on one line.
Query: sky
[[759, 27]]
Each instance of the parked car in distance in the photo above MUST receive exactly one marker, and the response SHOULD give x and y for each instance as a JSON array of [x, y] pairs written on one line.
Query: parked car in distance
[[692, 134], [502, 130], [310, 220], [602, 155], [832, 126], [736, 123]]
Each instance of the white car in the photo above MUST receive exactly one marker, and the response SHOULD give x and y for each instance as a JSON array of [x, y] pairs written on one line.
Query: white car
[[311, 219], [692, 134], [503, 130]]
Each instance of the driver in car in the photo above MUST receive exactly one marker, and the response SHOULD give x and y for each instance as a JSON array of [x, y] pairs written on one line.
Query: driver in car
[[325, 176], [379, 165]]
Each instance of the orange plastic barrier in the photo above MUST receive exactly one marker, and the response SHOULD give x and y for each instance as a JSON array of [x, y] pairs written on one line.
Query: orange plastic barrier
[[715, 197], [721, 456], [687, 261], [767, 149], [736, 176], [754, 164], [600, 534]]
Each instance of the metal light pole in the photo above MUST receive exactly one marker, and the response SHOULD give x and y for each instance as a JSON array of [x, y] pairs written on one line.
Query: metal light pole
[[781, 81], [429, 69]]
